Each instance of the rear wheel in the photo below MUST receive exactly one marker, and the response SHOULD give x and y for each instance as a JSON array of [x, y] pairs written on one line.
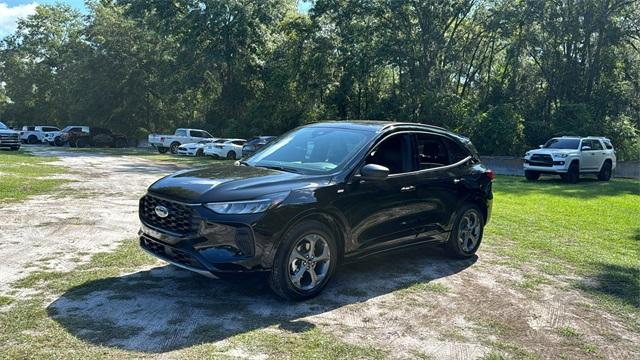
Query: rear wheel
[[573, 174], [531, 175], [58, 141], [82, 142], [174, 147], [305, 261], [162, 150], [231, 155], [467, 232], [199, 153], [32, 139], [605, 171]]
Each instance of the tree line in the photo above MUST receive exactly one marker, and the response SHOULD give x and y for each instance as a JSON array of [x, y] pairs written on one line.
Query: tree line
[[507, 73]]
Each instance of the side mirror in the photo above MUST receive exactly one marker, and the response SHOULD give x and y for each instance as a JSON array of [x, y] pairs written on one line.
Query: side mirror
[[586, 148], [374, 172]]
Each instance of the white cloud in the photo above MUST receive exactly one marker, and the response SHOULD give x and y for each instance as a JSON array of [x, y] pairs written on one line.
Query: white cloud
[[9, 16]]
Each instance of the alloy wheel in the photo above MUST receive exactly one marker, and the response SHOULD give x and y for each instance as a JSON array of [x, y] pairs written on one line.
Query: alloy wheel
[[309, 262], [469, 230]]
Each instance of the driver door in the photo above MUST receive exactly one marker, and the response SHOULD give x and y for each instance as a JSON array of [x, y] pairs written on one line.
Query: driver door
[[382, 212]]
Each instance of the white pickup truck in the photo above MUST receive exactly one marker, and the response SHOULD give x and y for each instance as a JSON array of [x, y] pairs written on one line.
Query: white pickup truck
[[36, 134], [171, 143]]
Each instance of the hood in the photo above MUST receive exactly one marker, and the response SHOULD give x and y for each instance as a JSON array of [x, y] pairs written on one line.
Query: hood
[[8, 132], [551, 151], [225, 182]]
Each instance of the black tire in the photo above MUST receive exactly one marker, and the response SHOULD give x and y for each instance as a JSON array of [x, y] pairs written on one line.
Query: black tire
[[573, 174], [605, 171], [531, 175], [280, 278], [231, 155], [163, 150], [200, 153], [58, 141], [463, 241], [32, 139], [174, 147], [15, 148]]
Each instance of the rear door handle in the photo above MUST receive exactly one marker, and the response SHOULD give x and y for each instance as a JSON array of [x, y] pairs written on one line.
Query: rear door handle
[[408, 188]]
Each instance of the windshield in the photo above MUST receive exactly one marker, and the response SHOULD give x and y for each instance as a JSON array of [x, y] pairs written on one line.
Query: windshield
[[311, 150], [3, 126], [562, 144], [204, 141]]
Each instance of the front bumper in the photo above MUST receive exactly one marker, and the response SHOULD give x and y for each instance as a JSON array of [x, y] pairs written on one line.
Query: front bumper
[[219, 245], [10, 141], [558, 166], [186, 152]]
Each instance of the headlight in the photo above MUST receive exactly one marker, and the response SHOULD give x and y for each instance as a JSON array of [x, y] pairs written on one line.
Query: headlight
[[527, 153], [560, 155], [249, 206]]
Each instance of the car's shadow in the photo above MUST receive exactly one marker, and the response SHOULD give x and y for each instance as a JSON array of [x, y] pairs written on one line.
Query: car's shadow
[[166, 308]]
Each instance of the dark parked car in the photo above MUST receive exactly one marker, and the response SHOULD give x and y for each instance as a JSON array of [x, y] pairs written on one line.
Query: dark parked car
[[318, 196], [254, 144], [97, 137]]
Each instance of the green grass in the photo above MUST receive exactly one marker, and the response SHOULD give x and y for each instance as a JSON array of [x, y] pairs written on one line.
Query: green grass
[[591, 229], [23, 175]]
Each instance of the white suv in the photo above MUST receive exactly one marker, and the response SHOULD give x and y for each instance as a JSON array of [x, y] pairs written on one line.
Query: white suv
[[571, 156]]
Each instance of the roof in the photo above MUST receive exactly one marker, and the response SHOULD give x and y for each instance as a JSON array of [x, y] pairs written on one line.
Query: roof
[[374, 125]]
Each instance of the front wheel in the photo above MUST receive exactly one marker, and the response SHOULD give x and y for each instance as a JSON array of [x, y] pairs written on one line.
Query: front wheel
[[199, 153], [305, 261], [605, 172], [531, 175], [573, 174], [32, 139], [174, 147], [466, 235], [58, 141], [162, 150]]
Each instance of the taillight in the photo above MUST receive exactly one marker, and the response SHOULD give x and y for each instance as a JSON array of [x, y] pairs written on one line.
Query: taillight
[[490, 174]]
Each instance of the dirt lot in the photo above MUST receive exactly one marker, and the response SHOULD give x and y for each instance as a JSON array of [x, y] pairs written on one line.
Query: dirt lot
[[405, 305]]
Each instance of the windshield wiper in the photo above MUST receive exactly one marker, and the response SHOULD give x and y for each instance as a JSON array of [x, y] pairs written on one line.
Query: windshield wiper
[[281, 168]]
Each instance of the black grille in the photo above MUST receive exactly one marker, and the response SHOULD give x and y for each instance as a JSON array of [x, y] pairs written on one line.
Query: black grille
[[541, 160], [170, 253], [179, 220]]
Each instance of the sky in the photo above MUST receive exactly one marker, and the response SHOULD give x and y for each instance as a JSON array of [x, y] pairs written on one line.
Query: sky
[[12, 10]]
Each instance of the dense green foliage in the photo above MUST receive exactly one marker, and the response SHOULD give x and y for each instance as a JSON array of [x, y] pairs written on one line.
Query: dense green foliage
[[507, 73]]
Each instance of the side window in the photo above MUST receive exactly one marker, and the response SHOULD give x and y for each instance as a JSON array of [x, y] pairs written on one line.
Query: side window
[[393, 153], [608, 144], [586, 143], [596, 145], [436, 151], [181, 132], [206, 135], [48, 129], [196, 133], [75, 129], [238, 142]]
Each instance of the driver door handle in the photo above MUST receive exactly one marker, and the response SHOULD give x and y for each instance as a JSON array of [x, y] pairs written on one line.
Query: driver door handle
[[408, 188]]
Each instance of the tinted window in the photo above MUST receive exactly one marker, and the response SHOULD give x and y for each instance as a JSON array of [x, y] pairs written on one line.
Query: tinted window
[[238, 142], [436, 151], [181, 132], [561, 143], [47, 129], [596, 145], [314, 150], [393, 153], [608, 144]]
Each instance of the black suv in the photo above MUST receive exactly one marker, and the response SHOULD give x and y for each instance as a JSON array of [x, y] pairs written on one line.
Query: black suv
[[254, 144], [319, 196]]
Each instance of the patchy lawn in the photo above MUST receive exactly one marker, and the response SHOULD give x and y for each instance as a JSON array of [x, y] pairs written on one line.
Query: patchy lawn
[[556, 277], [591, 229], [23, 175]]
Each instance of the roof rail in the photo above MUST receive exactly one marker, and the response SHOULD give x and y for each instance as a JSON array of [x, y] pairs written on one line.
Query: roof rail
[[414, 124]]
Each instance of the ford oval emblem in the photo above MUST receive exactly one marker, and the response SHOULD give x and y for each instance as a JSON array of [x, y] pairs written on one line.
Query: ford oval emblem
[[162, 211]]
